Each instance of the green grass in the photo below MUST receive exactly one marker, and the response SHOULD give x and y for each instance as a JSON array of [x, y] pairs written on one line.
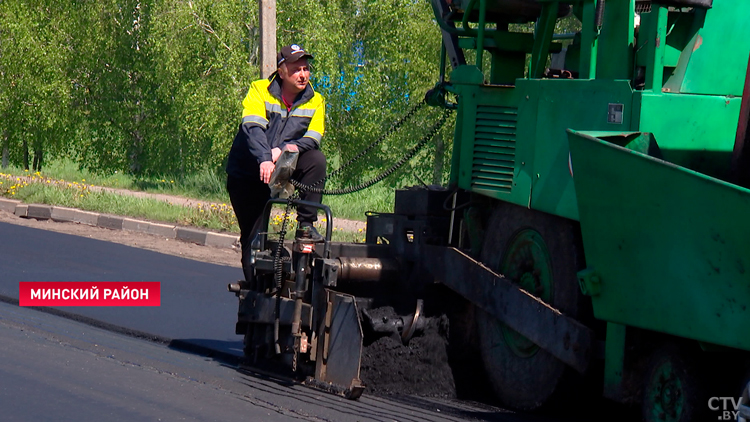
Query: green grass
[[209, 216], [205, 186], [67, 170], [353, 206], [79, 196]]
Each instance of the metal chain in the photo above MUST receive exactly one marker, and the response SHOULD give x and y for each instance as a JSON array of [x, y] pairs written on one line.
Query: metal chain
[[278, 267], [422, 142], [380, 140], [277, 260]]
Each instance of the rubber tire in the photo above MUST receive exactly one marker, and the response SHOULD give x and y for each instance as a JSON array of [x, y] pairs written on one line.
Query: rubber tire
[[744, 401], [530, 383], [685, 367]]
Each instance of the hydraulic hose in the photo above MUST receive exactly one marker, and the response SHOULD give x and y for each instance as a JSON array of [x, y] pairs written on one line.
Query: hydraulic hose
[[599, 14]]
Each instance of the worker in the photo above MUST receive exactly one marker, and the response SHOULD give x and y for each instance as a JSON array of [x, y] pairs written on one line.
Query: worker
[[280, 113]]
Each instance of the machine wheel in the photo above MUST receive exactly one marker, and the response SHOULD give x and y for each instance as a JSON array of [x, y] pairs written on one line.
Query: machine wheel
[[744, 409], [672, 390], [540, 253]]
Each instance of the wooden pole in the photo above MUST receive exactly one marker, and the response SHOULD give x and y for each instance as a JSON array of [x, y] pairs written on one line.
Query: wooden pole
[[267, 37]]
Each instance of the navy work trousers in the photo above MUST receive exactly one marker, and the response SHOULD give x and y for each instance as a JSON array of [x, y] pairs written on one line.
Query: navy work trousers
[[249, 194]]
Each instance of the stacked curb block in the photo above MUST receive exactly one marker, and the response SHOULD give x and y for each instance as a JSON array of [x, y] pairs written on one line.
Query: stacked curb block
[[72, 215]]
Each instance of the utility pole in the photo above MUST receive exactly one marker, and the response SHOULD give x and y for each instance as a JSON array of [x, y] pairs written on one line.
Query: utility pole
[[267, 37]]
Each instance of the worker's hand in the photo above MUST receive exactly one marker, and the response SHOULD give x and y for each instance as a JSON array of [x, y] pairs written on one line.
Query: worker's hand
[[275, 153], [266, 168], [291, 147]]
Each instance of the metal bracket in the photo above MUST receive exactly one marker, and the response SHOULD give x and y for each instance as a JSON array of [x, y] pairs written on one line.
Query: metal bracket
[[562, 336], [590, 282]]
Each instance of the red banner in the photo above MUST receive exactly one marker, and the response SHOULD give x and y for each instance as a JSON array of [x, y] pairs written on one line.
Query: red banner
[[89, 293]]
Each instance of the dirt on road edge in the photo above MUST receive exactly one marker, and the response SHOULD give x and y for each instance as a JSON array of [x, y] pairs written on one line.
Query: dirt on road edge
[[221, 256]]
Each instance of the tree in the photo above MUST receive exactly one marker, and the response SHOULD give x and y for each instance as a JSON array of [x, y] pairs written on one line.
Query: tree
[[35, 89], [156, 87], [373, 61]]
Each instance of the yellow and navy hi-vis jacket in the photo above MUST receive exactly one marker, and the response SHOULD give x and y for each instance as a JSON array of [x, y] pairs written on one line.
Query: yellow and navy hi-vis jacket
[[266, 124]]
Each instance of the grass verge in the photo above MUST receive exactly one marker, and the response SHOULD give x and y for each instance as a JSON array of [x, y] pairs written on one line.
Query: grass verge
[[206, 186], [216, 217]]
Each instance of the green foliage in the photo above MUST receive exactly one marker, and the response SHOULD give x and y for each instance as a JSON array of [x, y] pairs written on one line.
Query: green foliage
[[155, 88], [373, 61]]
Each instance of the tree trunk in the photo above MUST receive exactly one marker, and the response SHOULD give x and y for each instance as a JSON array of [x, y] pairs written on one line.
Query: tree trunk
[[25, 154], [135, 152], [38, 155], [6, 149]]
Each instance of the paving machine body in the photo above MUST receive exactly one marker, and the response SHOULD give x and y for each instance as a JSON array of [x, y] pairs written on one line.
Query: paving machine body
[[595, 218]]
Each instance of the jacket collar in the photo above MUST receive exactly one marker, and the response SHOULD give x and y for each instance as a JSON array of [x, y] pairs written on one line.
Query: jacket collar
[[274, 88]]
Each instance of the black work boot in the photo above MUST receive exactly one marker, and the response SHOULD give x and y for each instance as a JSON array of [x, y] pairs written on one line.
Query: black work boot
[[311, 231]]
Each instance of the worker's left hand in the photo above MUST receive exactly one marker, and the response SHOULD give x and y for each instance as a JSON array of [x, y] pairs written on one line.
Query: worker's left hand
[[266, 168]]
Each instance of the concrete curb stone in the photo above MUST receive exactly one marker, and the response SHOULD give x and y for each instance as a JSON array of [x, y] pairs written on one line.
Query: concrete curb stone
[[191, 235], [42, 212], [132, 225], [165, 230], [65, 214], [222, 240], [110, 222], [21, 210], [9, 205], [75, 216]]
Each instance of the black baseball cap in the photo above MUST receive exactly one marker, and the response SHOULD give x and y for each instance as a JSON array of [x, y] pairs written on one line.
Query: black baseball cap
[[291, 53]]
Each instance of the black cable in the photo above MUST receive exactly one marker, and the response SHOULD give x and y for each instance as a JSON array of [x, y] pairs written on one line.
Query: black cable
[[278, 265], [394, 127], [422, 142]]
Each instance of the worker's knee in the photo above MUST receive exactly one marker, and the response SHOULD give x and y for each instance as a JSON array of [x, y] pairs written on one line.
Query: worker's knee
[[312, 160]]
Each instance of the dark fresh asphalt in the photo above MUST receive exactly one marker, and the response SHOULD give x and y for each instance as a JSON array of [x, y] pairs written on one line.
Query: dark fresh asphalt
[[56, 369], [195, 305], [60, 369]]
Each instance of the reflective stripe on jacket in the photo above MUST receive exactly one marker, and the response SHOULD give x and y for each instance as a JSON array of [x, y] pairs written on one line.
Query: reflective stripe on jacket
[[266, 124]]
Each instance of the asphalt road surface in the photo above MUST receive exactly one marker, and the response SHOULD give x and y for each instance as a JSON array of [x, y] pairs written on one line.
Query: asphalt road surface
[[57, 369], [169, 363], [94, 364], [195, 305]]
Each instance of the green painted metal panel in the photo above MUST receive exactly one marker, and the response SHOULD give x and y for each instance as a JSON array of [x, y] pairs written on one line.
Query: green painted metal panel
[[647, 40], [488, 155], [564, 104], [615, 58], [694, 131], [669, 248], [614, 361], [716, 61]]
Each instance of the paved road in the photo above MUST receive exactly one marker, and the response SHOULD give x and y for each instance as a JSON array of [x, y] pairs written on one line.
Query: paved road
[[195, 308], [62, 367], [56, 369]]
